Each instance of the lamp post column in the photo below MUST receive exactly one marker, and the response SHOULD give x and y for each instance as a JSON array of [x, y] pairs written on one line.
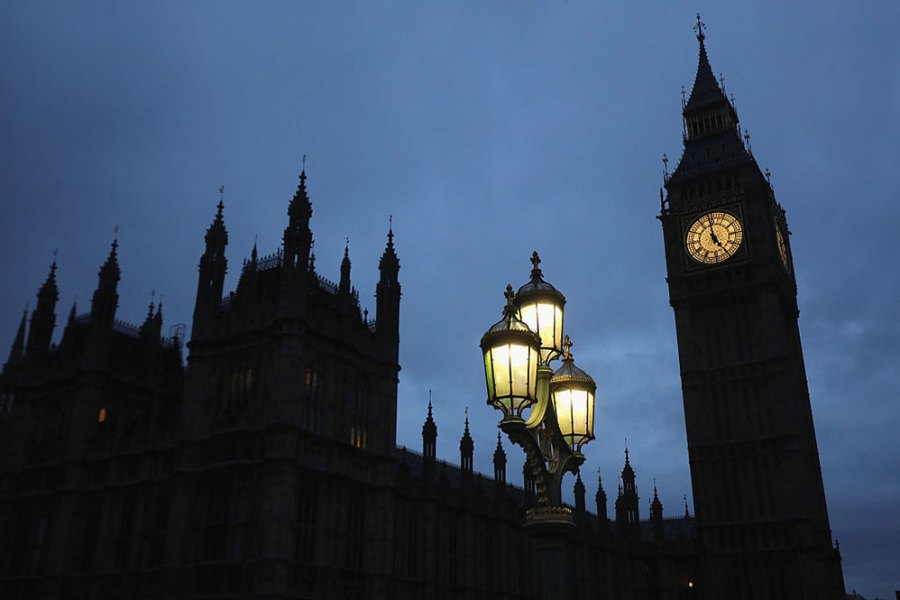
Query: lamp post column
[[550, 539]]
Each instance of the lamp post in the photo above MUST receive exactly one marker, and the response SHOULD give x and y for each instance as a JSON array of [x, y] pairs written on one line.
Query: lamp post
[[517, 352]]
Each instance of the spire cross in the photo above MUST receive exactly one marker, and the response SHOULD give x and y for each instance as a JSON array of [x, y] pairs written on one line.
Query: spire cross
[[699, 27], [567, 346], [665, 161]]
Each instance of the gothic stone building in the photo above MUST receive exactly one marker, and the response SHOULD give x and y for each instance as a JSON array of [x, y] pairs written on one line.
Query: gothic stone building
[[266, 466], [260, 469]]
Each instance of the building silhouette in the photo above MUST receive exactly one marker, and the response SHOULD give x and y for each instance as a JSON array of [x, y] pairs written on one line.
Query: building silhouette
[[264, 464], [757, 483]]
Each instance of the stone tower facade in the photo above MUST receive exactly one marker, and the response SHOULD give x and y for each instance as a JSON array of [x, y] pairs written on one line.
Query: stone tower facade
[[755, 471]]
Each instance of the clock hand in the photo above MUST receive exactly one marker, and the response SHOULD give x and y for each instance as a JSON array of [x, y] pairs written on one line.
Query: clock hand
[[715, 238]]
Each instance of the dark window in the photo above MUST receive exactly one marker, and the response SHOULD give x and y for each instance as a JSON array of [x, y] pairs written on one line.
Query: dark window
[[356, 522], [158, 527], [311, 400], [227, 527], [307, 516], [124, 542], [91, 533]]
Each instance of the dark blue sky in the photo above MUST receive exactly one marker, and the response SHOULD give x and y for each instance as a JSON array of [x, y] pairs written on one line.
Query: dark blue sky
[[487, 130]]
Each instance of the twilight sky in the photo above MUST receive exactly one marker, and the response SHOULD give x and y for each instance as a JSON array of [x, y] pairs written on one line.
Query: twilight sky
[[488, 130]]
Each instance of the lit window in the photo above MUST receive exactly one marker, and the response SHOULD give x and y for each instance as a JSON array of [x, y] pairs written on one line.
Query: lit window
[[101, 416]]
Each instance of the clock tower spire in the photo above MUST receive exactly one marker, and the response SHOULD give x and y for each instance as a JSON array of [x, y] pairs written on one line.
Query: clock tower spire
[[757, 483]]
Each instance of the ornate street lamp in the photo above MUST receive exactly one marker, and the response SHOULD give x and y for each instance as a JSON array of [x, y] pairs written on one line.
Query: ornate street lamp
[[562, 403], [517, 353]]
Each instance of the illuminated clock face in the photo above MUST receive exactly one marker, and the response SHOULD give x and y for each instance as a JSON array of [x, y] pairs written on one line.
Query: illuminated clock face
[[714, 237], [782, 247]]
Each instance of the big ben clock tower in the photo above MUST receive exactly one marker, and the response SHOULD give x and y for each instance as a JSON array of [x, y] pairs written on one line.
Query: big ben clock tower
[[757, 483]]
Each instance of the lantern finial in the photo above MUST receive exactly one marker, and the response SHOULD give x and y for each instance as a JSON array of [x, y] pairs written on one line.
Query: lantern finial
[[510, 296], [535, 262]]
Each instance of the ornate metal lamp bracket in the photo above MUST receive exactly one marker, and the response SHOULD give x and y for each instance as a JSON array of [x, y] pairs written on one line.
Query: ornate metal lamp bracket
[[548, 455]]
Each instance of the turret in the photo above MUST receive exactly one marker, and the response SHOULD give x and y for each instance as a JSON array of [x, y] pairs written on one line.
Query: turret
[[429, 434], [297, 235], [600, 499], [344, 284], [656, 508], [528, 484], [43, 319], [466, 448], [499, 461], [152, 326], [656, 516], [627, 515], [211, 281], [387, 292], [106, 297], [579, 493]]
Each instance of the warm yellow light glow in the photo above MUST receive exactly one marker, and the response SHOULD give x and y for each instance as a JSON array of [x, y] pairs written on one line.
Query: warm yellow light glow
[[690, 584], [575, 414], [101, 416], [782, 248], [714, 237], [545, 319], [511, 371]]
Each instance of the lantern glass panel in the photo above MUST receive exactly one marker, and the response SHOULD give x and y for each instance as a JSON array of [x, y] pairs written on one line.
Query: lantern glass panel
[[511, 372], [575, 414], [545, 319]]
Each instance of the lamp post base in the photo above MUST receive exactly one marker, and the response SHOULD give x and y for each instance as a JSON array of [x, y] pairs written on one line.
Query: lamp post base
[[550, 527]]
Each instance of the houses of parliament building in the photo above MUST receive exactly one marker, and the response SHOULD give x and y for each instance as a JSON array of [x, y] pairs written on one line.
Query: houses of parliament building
[[260, 461]]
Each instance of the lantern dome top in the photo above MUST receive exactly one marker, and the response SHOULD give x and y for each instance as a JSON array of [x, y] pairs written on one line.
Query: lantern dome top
[[509, 322], [537, 285], [568, 371]]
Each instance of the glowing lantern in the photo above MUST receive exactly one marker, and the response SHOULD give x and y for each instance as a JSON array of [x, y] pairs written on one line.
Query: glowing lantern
[[511, 354], [572, 391], [540, 306]]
